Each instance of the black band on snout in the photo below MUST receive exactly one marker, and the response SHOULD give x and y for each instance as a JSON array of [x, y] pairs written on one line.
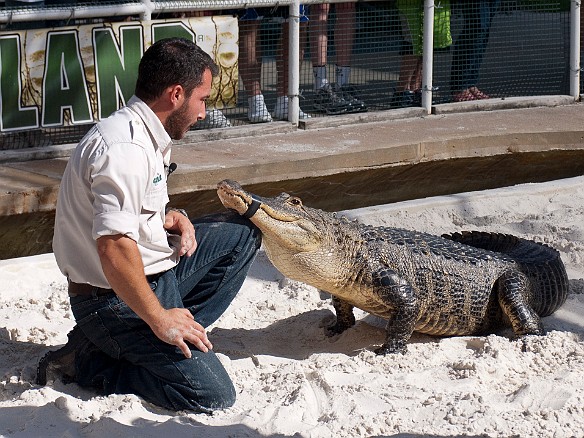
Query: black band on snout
[[253, 207]]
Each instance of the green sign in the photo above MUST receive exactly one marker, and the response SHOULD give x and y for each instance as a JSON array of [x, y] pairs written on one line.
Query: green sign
[[78, 75]]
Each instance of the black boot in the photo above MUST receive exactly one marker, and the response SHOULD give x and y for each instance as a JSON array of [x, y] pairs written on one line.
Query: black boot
[[62, 361]]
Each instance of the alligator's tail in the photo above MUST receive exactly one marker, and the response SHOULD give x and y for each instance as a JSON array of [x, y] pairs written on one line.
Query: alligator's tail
[[541, 263]]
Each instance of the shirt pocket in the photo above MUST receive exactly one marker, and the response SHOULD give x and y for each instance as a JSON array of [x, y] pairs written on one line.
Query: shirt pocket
[[152, 215]]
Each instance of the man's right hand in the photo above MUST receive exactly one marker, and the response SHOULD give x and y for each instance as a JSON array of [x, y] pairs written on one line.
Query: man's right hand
[[177, 327], [123, 268]]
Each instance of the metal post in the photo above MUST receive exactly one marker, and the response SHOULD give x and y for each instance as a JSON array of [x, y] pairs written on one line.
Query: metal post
[[148, 8], [294, 62], [428, 55], [575, 61]]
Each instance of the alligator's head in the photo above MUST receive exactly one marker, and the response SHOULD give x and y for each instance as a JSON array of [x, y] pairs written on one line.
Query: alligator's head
[[302, 242], [283, 218]]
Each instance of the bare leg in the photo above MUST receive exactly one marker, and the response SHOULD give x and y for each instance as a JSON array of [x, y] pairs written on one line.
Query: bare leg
[[410, 81], [319, 42], [408, 71], [344, 33], [249, 63], [344, 38], [251, 71], [417, 79], [331, 99]]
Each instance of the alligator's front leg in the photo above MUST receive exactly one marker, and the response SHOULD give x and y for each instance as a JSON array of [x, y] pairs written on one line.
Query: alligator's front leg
[[403, 309], [345, 317]]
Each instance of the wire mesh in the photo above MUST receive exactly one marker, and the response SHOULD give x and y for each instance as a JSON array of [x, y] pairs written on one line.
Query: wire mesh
[[581, 50], [353, 56], [527, 51]]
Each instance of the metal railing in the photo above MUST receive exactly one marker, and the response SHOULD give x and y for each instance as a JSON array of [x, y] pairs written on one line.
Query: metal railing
[[534, 49]]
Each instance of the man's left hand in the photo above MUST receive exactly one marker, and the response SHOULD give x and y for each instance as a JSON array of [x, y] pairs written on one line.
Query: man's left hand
[[177, 223]]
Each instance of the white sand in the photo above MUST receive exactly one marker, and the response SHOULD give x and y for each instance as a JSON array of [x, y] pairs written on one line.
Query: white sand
[[293, 380]]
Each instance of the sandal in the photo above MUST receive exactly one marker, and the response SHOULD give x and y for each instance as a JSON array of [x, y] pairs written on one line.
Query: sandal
[[478, 94], [464, 96]]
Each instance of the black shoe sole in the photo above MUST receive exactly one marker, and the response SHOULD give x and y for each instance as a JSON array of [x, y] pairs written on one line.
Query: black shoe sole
[[323, 109]]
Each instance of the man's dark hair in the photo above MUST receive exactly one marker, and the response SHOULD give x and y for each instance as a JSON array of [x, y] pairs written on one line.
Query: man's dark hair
[[172, 61]]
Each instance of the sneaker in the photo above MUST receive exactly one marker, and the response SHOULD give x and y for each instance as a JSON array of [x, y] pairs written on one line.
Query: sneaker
[[349, 93], [257, 112], [463, 96], [402, 99], [213, 119], [281, 110], [330, 102], [418, 97], [418, 94]]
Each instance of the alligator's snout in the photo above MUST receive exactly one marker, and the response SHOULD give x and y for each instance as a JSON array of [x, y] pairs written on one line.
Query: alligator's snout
[[229, 185], [233, 196]]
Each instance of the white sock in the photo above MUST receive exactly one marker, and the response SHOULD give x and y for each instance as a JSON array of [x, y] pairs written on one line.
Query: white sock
[[281, 109], [343, 75], [320, 79], [257, 100], [257, 111], [281, 101]]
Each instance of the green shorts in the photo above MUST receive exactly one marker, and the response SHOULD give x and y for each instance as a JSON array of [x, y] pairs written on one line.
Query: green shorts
[[412, 19]]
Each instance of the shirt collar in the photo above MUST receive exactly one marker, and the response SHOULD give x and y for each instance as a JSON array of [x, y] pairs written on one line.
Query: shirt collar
[[159, 135]]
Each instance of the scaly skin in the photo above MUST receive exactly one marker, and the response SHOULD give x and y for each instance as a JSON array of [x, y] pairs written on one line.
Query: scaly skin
[[460, 284]]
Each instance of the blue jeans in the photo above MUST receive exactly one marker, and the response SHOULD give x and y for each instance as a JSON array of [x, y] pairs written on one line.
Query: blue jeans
[[470, 45], [124, 355]]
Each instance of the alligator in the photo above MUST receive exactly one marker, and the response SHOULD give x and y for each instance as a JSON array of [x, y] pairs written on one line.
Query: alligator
[[468, 283]]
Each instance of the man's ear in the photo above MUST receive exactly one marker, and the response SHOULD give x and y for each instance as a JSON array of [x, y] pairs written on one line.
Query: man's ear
[[176, 94]]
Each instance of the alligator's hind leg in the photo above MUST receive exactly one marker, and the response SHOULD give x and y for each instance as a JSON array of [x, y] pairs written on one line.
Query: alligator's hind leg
[[345, 317], [513, 290]]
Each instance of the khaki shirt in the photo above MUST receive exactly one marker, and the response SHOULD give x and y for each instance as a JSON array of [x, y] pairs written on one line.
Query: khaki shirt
[[115, 183]]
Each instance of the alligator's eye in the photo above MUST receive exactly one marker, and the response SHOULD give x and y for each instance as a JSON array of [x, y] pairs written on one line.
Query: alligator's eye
[[295, 202]]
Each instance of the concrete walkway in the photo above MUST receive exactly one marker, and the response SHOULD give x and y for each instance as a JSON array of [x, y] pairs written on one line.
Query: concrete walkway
[[337, 148]]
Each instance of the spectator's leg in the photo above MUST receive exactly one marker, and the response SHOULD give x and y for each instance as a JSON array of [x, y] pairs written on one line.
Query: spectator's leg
[[250, 69], [470, 46], [319, 43], [344, 39]]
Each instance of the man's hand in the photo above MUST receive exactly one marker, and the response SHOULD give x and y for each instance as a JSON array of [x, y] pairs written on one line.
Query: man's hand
[[177, 223], [123, 268], [177, 326]]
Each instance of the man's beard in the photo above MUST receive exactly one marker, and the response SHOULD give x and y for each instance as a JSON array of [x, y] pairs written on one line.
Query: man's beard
[[178, 122]]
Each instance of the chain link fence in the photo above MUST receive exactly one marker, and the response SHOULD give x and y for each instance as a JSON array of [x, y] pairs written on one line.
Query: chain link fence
[[357, 56]]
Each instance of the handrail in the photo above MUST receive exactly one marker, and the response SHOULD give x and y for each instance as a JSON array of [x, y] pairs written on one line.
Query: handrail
[[144, 8]]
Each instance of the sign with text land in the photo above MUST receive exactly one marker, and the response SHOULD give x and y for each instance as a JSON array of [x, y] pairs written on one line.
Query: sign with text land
[[77, 75]]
